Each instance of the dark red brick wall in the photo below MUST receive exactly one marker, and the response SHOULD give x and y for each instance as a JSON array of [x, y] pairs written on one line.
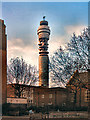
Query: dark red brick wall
[[10, 91], [80, 96], [3, 61], [59, 96]]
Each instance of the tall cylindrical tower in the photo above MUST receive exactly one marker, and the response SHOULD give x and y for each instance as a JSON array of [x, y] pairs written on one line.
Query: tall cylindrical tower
[[43, 36]]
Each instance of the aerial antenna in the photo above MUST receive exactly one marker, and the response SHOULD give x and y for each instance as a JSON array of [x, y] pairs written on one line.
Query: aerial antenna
[[44, 18]]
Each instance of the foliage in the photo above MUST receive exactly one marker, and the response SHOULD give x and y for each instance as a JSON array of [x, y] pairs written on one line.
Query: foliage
[[74, 57]]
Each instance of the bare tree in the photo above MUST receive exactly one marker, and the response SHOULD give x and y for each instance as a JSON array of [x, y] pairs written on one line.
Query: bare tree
[[19, 72], [78, 47], [74, 57]]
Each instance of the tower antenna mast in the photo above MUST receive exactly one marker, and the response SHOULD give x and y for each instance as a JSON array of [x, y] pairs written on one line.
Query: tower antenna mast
[[44, 18]]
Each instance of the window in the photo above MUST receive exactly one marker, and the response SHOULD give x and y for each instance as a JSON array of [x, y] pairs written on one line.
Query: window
[[64, 95], [42, 95], [42, 104], [72, 97], [63, 104], [30, 101], [86, 95], [31, 95], [50, 95], [31, 90], [50, 103]]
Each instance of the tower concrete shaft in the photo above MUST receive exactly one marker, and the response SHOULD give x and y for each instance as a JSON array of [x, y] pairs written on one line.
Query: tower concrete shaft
[[43, 36]]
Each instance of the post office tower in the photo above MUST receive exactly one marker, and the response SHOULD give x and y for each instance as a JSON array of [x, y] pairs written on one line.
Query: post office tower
[[43, 36]]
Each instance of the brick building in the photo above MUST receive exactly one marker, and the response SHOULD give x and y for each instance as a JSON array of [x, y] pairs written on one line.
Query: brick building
[[38, 96], [12, 96], [3, 61], [75, 93], [49, 96], [78, 88]]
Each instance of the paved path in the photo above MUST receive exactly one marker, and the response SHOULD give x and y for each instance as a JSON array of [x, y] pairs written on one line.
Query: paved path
[[15, 118], [27, 118], [52, 116]]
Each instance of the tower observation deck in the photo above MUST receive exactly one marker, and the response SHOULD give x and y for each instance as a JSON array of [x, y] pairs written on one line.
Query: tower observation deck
[[43, 36]]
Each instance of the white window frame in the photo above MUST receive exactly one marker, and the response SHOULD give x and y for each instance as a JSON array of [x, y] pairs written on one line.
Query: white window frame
[[43, 95], [50, 95]]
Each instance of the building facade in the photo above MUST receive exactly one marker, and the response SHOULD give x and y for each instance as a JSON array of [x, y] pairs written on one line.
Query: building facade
[[3, 61], [78, 89], [49, 96], [38, 96], [75, 93]]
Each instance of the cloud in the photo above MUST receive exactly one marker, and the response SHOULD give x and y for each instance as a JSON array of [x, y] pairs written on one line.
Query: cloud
[[55, 42], [60, 40], [16, 48], [77, 29]]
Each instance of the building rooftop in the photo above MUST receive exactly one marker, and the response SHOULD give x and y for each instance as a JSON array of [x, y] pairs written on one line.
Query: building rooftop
[[82, 76], [41, 87]]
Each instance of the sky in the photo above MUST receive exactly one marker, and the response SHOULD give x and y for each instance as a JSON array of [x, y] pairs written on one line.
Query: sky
[[22, 20], [45, 0]]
